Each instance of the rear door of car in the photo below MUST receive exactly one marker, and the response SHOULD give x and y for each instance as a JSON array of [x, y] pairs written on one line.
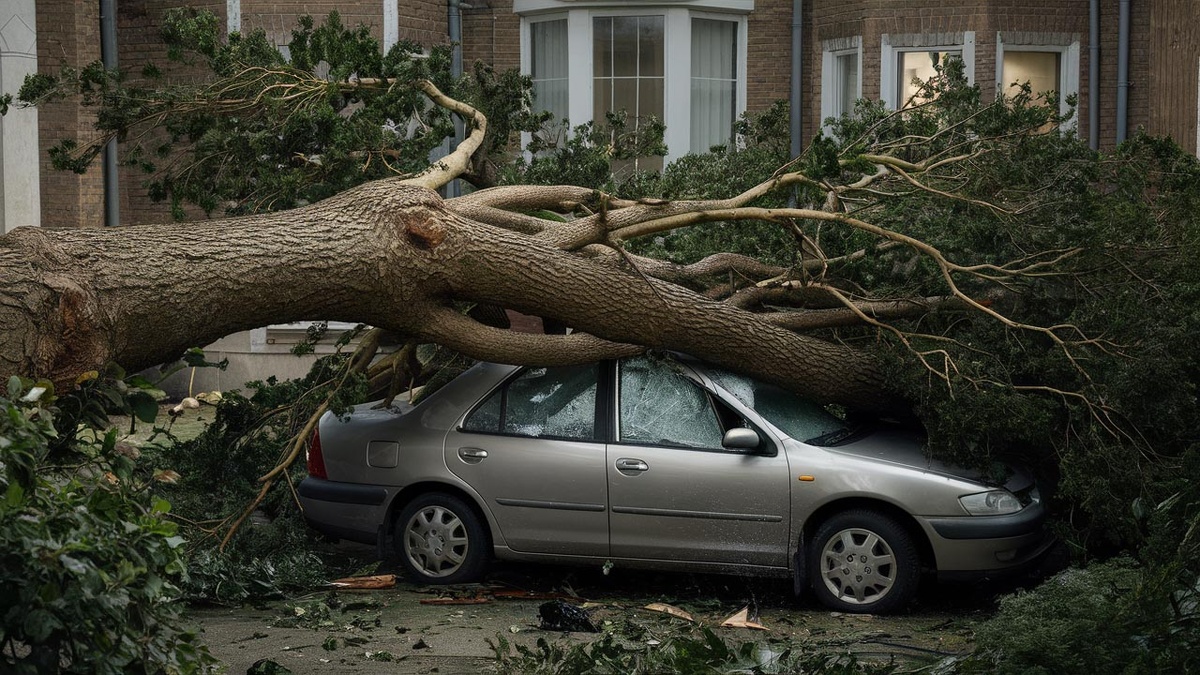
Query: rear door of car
[[675, 492], [534, 450]]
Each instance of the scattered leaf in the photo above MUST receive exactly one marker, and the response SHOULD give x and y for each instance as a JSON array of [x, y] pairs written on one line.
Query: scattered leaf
[[670, 609], [741, 619]]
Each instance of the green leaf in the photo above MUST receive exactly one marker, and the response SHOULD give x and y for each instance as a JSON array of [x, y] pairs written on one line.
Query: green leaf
[[144, 407], [40, 624], [73, 565], [14, 495]]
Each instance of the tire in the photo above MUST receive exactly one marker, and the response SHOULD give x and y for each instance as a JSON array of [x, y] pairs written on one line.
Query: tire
[[440, 540], [862, 561]]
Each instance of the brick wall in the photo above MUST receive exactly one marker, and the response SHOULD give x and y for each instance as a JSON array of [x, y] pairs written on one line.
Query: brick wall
[[68, 34], [139, 23], [493, 35]]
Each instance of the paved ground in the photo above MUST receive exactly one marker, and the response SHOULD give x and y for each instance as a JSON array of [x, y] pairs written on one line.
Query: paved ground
[[393, 631]]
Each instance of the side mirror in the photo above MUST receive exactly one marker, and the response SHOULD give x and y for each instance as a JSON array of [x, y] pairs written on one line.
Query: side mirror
[[741, 438]]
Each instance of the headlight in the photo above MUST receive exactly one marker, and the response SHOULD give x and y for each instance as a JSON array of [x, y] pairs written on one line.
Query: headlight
[[994, 503]]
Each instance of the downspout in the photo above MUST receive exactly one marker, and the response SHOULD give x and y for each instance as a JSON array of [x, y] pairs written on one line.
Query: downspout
[[796, 99], [454, 26], [1122, 71], [1094, 75], [108, 56]]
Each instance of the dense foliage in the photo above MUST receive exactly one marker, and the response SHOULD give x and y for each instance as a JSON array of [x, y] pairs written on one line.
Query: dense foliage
[[89, 563]]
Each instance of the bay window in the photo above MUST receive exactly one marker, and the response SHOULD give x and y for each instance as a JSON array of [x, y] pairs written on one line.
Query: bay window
[[683, 62]]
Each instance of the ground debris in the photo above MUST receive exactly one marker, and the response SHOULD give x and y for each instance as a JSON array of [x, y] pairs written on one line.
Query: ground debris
[[563, 616], [670, 609], [741, 619], [378, 581]]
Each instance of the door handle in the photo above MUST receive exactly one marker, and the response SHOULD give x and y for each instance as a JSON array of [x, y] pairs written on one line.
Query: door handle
[[629, 464], [472, 455]]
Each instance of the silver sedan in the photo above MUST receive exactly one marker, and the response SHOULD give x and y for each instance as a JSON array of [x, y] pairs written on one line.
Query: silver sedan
[[660, 462]]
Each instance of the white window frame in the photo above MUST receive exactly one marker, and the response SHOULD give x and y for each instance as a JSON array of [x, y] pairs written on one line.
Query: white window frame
[[944, 42], [677, 53], [1068, 70], [831, 50]]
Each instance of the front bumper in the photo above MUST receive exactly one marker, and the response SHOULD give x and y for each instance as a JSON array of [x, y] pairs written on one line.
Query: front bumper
[[344, 510], [973, 546]]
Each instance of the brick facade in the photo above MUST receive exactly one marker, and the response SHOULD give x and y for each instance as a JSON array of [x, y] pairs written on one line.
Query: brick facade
[[1164, 58], [68, 34]]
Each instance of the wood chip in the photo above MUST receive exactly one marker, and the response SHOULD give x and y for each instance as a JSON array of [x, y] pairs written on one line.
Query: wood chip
[[370, 583], [477, 600]]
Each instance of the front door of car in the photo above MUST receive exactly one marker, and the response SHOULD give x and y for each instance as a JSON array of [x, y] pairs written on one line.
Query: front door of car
[[675, 492], [535, 454]]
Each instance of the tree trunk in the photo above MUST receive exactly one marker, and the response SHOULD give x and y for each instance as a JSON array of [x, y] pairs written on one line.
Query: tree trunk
[[384, 254]]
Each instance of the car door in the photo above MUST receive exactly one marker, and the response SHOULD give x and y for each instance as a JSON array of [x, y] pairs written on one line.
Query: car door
[[535, 453], [675, 492]]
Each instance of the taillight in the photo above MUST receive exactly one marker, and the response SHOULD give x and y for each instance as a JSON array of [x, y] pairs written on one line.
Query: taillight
[[316, 460]]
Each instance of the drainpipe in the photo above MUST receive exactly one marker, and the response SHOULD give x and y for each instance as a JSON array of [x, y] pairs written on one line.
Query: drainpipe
[[108, 56], [1122, 71], [1094, 75], [454, 26], [796, 100], [797, 96]]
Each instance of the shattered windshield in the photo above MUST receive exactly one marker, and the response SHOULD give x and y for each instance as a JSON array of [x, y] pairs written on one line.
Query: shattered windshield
[[801, 419]]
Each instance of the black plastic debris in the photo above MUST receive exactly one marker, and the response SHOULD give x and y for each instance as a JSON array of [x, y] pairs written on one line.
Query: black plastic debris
[[560, 615], [267, 667]]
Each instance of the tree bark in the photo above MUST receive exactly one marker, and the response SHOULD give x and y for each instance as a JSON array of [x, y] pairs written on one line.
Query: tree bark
[[386, 254]]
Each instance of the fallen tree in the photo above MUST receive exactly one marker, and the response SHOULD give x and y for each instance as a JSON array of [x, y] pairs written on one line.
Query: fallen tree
[[1007, 285]]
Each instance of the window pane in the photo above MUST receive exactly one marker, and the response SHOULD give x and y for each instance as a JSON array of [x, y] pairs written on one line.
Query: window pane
[[661, 407], [650, 46], [918, 66], [548, 51], [650, 97], [847, 84], [1040, 69], [553, 403], [625, 46], [714, 83], [602, 47], [799, 418], [487, 416]]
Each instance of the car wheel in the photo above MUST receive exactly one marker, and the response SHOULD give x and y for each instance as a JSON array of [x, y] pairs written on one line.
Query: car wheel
[[440, 540], [863, 561]]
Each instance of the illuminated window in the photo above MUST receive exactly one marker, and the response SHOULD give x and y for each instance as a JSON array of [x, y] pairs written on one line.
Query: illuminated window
[[907, 60], [1042, 70]]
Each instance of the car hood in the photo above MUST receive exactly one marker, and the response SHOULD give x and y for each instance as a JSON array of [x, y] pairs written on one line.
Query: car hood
[[907, 448]]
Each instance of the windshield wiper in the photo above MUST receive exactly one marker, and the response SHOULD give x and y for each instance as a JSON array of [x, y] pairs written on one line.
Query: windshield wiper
[[837, 436]]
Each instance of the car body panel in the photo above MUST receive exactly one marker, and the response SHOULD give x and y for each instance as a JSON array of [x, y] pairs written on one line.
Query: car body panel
[[688, 504], [546, 496]]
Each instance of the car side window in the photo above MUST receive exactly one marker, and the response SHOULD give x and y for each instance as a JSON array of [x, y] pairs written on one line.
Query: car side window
[[660, 406], [542, 403]]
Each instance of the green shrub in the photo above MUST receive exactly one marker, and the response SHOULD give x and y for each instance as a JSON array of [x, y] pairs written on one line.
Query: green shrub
[[1106, 618], [88, 563]]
